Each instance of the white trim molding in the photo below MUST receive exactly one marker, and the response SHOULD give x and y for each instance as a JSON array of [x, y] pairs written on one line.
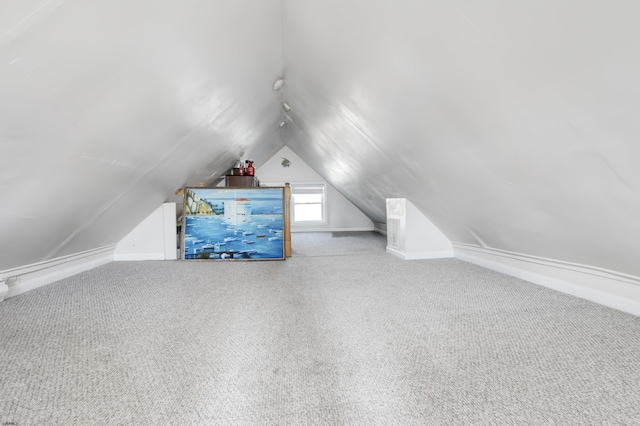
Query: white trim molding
[[29, 277], [133, 257], [609, 288], [3, 289], [420, 255], [301, 229], [380, 228]]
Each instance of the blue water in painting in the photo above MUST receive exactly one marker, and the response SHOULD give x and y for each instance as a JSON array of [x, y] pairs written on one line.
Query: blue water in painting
[[255, 236]]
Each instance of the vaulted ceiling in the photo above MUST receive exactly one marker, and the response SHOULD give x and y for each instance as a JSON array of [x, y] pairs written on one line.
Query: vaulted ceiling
[[511, 125]]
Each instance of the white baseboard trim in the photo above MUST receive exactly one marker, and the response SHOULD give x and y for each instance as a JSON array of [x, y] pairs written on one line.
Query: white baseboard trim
[[419, 255], [4, 289], [138, 256], [380, 228], [29, 277], [609, 288], [357, 229]]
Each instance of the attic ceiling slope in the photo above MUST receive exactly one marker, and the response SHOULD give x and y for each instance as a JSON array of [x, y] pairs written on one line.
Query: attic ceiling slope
[[510, 125], [107, 108]]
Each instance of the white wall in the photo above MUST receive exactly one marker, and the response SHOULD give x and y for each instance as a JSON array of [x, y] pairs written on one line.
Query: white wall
[[411, 235], [342, 215], [153, 239]]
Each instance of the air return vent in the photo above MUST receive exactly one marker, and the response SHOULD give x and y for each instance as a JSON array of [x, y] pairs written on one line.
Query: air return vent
[[393, 233]]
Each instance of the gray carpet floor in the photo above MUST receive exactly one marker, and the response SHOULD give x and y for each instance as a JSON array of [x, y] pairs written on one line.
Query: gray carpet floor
[[340, 334]]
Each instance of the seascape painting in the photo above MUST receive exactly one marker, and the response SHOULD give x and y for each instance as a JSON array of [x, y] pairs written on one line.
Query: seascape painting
[[232, 223]]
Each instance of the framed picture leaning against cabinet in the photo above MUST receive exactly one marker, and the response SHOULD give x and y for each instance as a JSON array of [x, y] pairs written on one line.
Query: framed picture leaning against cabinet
[[233, 223]]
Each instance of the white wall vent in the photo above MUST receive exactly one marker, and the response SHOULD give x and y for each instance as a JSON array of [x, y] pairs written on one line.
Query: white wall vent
[[393, 233]]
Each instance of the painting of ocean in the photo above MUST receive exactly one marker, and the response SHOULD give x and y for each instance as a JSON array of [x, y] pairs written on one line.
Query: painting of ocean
[[232, 223]]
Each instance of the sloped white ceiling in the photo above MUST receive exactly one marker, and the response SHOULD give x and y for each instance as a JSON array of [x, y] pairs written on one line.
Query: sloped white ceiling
[[108, 107], [511, 125]]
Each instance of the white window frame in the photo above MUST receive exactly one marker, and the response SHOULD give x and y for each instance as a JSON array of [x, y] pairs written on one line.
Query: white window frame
[[309, 187]]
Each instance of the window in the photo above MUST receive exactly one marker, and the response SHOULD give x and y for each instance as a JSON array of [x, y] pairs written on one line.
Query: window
[[308, 203]]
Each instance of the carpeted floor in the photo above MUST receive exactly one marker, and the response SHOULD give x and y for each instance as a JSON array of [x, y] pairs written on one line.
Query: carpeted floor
[[340, 334]]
